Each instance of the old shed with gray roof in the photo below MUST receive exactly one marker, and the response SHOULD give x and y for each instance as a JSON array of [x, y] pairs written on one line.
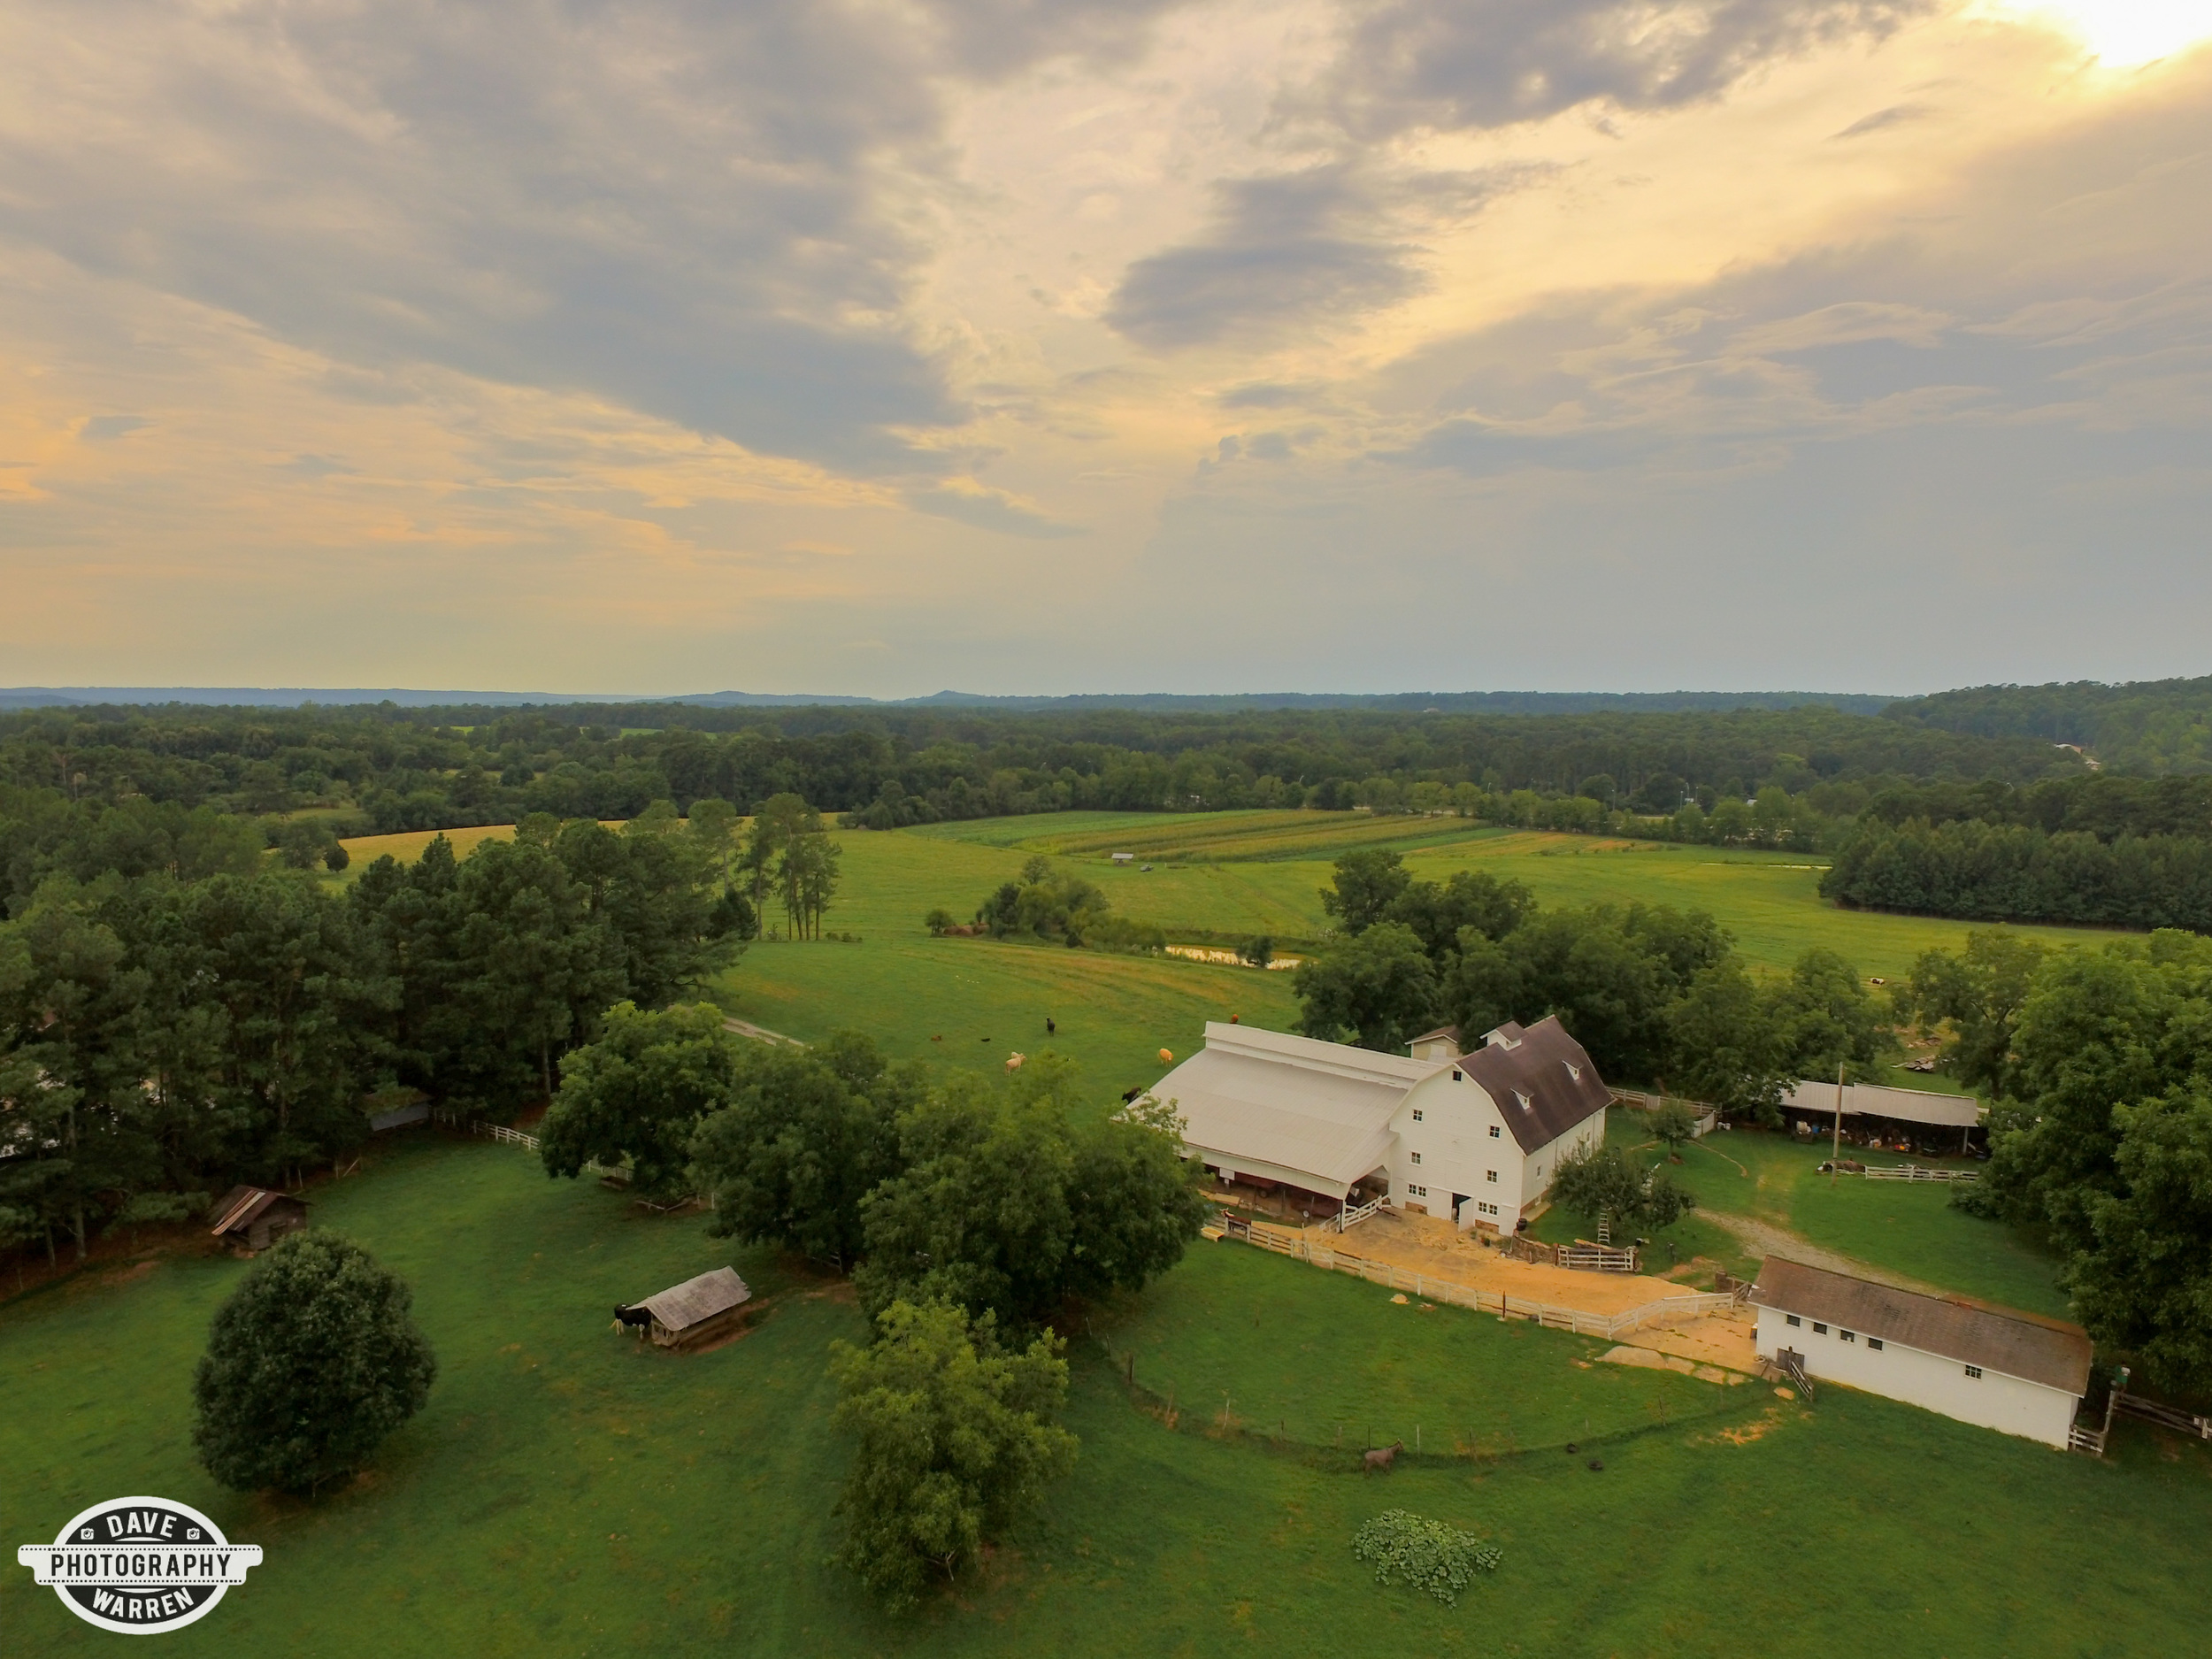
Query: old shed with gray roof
[[699, 1310]]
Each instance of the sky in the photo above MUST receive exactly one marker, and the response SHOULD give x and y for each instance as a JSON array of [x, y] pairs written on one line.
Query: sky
[[1052, 346]]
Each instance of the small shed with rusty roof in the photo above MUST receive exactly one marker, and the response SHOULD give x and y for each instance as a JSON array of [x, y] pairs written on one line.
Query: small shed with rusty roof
[[699, 1310], [251, 1218]]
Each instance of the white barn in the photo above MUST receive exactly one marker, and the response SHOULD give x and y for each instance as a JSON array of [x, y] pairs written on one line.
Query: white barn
[[1996, 1367], [1475, 1137]]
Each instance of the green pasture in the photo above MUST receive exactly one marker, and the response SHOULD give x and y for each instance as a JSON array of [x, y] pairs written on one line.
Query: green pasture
[[1237, 873], [1231, 1333], [567, 1492], [1906, 1227]]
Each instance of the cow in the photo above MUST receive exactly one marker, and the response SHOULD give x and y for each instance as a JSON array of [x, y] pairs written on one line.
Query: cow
[[1051, 1030], [1383, 1456], [640, 1319]]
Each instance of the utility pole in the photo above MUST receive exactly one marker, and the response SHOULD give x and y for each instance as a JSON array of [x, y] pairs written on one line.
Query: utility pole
[[1835, 1156]]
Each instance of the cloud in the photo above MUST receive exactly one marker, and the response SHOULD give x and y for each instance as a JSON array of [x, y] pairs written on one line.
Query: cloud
[[100, 428], [1326, 242], [1457, 64], [1893, 116], [968, 503], [681, 209]]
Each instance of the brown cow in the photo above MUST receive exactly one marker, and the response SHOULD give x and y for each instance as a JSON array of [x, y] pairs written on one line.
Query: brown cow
[[1383, 1456]]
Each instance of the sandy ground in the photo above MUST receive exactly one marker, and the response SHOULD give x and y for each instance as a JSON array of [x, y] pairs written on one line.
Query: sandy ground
[[1430, 1244], [1725, 1342]]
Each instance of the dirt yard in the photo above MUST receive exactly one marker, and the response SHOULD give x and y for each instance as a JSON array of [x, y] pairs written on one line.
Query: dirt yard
[[1431, 1245]]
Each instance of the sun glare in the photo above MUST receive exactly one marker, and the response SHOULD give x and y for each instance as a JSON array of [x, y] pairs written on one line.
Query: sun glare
[[2121, 33]]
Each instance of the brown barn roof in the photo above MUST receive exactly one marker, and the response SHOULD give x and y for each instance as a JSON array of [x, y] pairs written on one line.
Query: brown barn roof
[[242, 1206], [2004, 1339], [682, 1306], [1541, 1079]]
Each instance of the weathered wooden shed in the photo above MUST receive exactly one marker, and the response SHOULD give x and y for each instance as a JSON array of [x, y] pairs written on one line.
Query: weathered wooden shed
[[250, 1219], [699, 1310]]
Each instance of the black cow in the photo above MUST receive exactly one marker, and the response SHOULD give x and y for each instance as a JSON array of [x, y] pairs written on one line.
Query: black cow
[[640, 1317]]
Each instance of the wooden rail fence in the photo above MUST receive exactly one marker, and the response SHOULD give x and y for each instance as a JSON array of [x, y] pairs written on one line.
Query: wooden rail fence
[[516, 1137], [1912, 1172], [1283, 1241]]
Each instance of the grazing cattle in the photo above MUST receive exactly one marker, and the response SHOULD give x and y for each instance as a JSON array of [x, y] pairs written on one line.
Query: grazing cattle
[[1051, 1030], [1014, 1061], [640, 1319], [1130, 1099], [1383, 1456]]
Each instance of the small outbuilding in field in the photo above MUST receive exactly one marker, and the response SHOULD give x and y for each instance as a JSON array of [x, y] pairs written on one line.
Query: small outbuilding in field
[[251, 1218], [695, 1311]]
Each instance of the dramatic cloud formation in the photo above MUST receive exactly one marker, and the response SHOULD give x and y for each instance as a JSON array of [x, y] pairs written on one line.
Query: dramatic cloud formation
[[1860, 343]]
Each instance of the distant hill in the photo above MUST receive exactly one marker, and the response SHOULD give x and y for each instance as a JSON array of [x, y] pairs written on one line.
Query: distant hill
[[2144, 726], [1403, 702], [1142, 702]]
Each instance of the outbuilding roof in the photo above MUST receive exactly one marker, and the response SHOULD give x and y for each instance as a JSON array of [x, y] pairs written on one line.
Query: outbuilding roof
[[2002, 1340], [242, 1206], [682, 1306], [1540, 1078], [1901, 1105]]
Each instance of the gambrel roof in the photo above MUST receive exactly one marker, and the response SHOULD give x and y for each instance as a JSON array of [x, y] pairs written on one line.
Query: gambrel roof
[[1540, 1078]]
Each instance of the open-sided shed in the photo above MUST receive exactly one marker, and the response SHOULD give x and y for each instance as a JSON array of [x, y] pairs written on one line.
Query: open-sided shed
[[250, 1219], [699, 1310]]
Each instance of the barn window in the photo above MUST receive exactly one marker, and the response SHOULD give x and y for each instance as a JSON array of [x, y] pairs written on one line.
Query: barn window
[[1973, 1371], [1819, 1329], [1874, 1342], [1459, 1076], [1494, 1131], [1417, 1157], [1793, 1318], [1493, 1175], [1847, 1336], [1416, 1114]]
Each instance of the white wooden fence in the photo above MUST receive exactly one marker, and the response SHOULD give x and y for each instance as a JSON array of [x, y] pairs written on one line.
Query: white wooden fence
[[514, 1137], [1912, 1172], [1345, 1219], [1389, 1274]]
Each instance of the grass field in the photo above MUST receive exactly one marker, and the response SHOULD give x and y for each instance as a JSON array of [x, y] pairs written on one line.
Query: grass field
[[1251, 872], [567, 1493], [1908, 1228]]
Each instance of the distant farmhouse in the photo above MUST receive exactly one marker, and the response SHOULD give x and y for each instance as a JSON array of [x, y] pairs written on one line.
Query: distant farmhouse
[[1996, 1367], [1475, 1137]]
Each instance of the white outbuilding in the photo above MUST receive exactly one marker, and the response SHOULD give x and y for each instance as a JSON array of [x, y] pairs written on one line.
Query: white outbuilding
[[1476, 1137], [1995, 1367]]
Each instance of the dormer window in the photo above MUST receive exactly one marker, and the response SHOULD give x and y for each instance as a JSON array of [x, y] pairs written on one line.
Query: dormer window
[[1573, 1071], [1522, 1098]]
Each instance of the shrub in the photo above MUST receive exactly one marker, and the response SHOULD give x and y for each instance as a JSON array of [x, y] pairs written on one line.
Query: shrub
[[311, 1362], [956, 1440], [1430, 1555]]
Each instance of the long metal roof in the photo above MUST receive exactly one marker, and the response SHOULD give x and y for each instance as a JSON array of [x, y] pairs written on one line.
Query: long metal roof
[[1902, 1105], [2002, 1339], [1321, 1110]]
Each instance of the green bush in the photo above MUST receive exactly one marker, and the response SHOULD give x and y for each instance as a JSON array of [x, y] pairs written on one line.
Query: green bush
[[1430, 1555], [310, 1363]]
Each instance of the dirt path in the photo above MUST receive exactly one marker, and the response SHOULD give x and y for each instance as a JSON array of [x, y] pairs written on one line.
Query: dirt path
[[760, 1033], [1765, 1239]]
